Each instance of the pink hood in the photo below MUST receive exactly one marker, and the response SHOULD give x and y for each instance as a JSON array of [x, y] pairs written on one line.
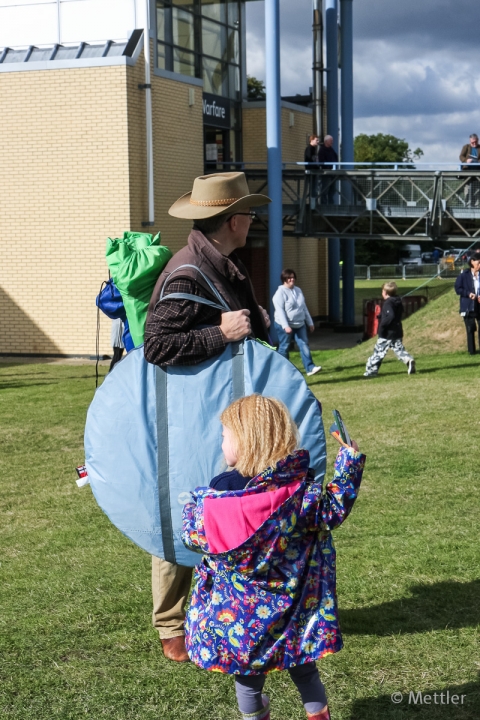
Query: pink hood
[[230, 521]]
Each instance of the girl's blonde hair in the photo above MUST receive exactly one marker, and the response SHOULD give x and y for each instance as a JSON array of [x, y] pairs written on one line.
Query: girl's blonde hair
[[263, 431]]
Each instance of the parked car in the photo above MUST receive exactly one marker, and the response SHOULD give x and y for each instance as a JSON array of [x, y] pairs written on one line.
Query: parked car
[[460, 254], [412, 255]]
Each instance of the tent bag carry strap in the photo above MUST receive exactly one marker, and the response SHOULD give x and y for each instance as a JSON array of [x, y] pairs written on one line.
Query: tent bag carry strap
[[238, 382], [238, 391], [193, 298], [196, 298]]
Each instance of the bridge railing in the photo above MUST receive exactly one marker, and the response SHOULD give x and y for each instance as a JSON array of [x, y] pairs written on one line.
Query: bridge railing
[[399, 271], [398, 201]]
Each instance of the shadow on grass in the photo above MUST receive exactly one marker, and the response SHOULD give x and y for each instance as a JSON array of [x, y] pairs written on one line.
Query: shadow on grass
[[425, 371], [16, 380], [461, 703], [333, 381], [14, 384], [384, 373], [433, 607]]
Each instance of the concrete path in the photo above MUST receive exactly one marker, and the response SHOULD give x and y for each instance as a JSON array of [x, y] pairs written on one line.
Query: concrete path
[[325, 338]]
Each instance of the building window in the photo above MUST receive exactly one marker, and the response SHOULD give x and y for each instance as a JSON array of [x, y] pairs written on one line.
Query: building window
[[234, 82], [183, 29], [184, 62], [161, 22], [200, 38], [215, 9], [214, 39], [215, 77], [185, 4], [233, 46], [233, 14], [161, 63]]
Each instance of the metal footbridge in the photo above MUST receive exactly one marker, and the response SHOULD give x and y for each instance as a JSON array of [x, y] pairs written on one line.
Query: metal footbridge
[[372, 201]]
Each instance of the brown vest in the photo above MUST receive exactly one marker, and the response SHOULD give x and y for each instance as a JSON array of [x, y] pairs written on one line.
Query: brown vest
[[228, 275]]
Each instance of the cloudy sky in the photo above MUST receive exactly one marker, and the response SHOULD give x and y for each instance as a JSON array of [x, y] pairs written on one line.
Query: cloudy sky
[[416, 67]]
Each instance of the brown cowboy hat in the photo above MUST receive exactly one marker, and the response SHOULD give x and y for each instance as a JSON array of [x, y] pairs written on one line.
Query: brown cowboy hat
[[216, 194]]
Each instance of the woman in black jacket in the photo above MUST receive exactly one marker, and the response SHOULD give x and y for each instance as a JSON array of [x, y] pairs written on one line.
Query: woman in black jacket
[[467, 285], [390, 333]]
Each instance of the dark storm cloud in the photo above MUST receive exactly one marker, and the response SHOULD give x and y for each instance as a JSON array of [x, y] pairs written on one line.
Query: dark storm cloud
[[415, 66], [426, 51], [439, 23], [410, 87]]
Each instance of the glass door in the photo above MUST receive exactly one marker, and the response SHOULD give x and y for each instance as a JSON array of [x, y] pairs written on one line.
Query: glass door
[[217, 150]]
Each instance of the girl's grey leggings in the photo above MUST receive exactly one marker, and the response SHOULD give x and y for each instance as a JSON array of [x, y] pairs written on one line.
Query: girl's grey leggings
[[306, 678]]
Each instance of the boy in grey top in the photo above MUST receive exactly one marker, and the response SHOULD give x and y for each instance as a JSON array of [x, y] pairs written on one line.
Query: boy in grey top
[[291, 320]]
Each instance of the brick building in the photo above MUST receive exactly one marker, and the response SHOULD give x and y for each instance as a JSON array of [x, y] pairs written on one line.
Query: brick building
[[74, 151]]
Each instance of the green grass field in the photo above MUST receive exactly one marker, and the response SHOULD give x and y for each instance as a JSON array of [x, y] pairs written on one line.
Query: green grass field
[[76, 640]]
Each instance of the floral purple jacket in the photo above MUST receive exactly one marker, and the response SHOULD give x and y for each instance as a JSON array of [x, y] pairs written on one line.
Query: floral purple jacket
[[264, 597]]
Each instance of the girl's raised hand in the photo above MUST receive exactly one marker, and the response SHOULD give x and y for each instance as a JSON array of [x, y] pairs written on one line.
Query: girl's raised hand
[[340, 441]]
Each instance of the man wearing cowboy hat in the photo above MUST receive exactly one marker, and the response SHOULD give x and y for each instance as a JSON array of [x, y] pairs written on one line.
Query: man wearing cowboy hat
[[183, 332]]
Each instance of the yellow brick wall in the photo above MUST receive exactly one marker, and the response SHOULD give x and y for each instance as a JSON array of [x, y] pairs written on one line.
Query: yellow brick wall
[[137, 150], [294, 139], [254, 135], [178, 154], [73, 173], [323, 277], [177, 147], [307, 256], [63, 190]]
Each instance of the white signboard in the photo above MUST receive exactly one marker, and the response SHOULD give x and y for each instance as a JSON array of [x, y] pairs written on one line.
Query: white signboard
[[211, 152]]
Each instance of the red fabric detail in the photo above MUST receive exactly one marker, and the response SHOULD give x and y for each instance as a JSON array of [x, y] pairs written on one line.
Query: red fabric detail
[[232, 520], [322, 715]]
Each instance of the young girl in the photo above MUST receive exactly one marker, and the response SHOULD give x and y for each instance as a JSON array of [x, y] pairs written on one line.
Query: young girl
[[264, 597]]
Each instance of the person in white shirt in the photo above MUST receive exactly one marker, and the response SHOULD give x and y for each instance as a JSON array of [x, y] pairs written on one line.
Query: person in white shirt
[[292, 318]]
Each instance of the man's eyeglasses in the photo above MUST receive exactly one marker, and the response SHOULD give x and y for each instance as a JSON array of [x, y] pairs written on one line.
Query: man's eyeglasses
[[252, 215], [290, 279]]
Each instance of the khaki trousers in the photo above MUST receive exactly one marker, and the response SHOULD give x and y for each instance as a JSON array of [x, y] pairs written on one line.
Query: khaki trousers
[[170, 589]]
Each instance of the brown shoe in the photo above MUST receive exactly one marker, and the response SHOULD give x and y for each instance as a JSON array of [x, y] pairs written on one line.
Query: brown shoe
[[174, 649]]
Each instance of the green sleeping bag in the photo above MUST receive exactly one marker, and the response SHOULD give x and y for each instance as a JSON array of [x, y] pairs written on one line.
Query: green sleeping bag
[[135, 262]]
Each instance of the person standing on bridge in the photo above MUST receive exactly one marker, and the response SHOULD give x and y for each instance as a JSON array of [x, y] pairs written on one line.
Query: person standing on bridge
[[470, 158], [310, 157], [327, 157]]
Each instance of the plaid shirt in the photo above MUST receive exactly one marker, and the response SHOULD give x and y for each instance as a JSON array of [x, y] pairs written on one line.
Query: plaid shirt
[[173, 335]]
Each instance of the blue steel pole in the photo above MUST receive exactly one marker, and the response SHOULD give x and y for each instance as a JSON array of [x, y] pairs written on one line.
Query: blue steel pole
[[346, 26], [331, 28], [274, 144]]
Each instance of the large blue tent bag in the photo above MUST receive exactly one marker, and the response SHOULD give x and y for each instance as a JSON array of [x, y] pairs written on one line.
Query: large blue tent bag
[[153, 435]]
